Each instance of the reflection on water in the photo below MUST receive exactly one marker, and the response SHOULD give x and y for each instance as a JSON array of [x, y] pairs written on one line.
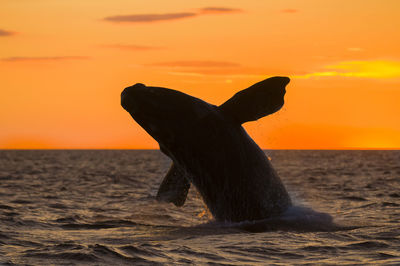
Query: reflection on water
[[98, 207]]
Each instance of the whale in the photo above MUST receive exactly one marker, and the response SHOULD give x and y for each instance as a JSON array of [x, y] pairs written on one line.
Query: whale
[[210, 149]]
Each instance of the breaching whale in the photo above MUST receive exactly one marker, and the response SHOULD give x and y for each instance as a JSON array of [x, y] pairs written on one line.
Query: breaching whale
[[210, 149]]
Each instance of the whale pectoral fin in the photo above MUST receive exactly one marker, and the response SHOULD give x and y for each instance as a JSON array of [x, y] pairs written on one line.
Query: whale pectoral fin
[[261, 99], [174, 187]]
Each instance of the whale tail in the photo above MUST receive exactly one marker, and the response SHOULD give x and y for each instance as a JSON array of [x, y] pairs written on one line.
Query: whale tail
[[261, 99]]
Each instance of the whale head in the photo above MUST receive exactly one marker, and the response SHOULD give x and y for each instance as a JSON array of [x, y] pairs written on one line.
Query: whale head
[[165, 114]]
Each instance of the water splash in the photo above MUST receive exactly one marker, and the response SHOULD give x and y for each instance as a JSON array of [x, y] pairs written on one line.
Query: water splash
[[296, 218]]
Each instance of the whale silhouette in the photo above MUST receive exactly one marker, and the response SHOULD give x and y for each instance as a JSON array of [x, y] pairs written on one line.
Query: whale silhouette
[[211, 150]]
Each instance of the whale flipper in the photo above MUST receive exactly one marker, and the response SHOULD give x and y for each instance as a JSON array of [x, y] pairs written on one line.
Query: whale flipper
[[261, 99], [174, 187]]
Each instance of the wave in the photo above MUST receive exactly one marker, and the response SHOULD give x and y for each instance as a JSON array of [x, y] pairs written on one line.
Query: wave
[[296, 218]]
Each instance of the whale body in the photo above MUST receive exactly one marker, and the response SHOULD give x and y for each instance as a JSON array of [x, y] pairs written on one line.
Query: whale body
[[210, 149]]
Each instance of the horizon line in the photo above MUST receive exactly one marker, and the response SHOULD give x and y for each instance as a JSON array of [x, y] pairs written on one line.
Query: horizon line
[[149, 149]]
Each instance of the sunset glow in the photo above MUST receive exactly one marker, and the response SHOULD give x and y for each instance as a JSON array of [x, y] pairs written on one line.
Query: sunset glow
[[63, 65]]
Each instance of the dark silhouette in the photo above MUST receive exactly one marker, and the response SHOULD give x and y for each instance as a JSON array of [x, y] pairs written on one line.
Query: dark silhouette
[[210, 149]]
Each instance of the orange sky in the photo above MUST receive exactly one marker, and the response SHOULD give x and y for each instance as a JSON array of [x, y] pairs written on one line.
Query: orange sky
[[64, 63]]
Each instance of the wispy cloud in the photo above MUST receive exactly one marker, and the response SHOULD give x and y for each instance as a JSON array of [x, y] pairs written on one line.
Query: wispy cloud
[[289, 10], [4, 33], [132, 47], [43, 59], [214, 68], [239, 72], [219, 72], [355, 49], [148, 18], [376, 69], [196, 64], [219, 10]]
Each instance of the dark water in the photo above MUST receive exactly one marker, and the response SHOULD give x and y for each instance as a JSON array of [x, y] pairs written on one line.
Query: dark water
[[98, 207]]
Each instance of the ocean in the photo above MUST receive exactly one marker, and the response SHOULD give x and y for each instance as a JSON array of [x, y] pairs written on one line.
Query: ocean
[[95, 207]]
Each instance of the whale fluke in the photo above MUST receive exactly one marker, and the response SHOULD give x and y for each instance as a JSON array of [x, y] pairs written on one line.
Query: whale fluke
[[174, 187], [261, 99]]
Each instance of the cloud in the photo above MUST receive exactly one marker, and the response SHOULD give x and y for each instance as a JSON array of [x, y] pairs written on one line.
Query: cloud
[[196, 64], [220, 72], [289, 10], [376, 69], [148, 18], [219, 10], [355, 49], [239, 72], [4, 33], [215, 68], [132, 47], [43, 59]]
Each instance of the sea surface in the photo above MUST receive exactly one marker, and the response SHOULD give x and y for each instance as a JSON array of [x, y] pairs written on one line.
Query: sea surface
[[95, 207]]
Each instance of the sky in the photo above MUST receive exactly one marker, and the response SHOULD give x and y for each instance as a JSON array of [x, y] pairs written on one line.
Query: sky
[[64, 63]]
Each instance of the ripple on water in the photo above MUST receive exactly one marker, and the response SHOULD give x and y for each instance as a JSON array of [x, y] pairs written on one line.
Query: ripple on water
[[98, 208], [370, 245], [99, 225], [64, 256]]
